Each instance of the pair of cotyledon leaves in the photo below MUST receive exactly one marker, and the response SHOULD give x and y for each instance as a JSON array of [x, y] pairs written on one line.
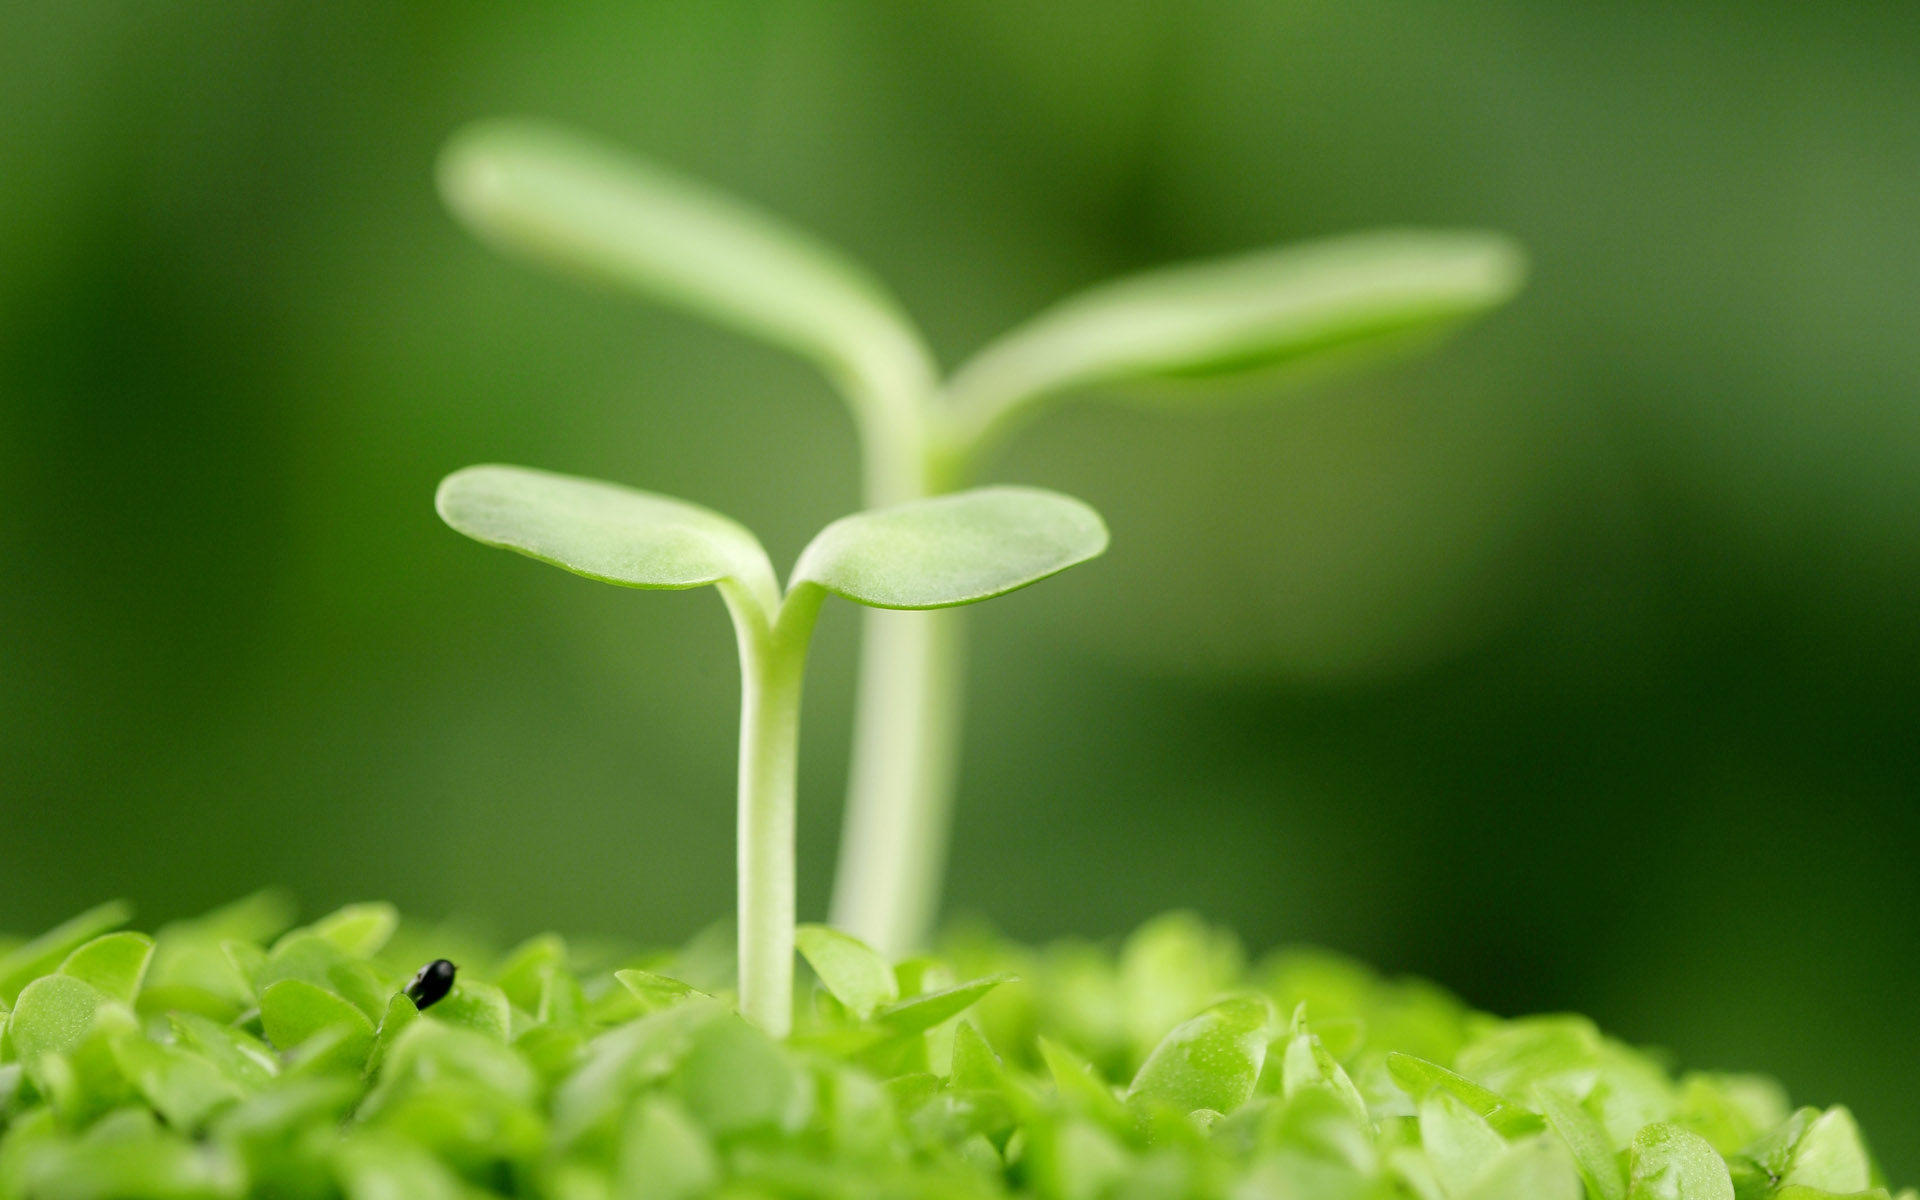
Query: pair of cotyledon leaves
[[584, 207], [928, 554]]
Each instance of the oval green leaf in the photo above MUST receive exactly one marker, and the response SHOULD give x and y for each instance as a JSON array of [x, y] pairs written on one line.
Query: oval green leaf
[[294, 1011], [573, 202], [849, 968], [114, 962], [603, 531], [1211, 1061], [1667, 1162], [952, 550], [54, 1015], [1283, 306]]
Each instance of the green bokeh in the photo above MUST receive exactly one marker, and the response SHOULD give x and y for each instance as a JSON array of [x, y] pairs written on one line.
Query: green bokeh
[[1574, 666]]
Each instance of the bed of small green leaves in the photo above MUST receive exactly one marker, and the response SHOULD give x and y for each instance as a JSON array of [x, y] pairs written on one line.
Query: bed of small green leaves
[[228, 1056]]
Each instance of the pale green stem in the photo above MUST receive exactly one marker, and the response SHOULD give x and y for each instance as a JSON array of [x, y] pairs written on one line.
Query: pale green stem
[[893, 847], [773, 659]]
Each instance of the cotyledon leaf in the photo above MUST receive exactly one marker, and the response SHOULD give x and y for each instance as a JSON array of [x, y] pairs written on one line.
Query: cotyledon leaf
[[1586, 1140], [571, 201], [113, 962], [952, 550], [1251, 311], [1667, 1162], [1211, 1061], [602, 530], [856, 975]]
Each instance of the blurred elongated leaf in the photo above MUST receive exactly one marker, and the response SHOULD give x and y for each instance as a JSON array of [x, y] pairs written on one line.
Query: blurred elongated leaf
[[33, 959], [952, 550], [921, 1013], [856, 975], [1418, 1078], [1275, 307], [571, 201], [602, 530], [359, 929]]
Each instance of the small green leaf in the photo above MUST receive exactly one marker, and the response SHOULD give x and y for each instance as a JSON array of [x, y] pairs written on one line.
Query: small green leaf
[[1170, 968], [1559, 1051], [1459, 1143], [921, 1013], [1211, 1061], [1592, 1153], [380, 1166], [114, 962], [1831, 1155], [657, 991], [1308, 1064], [183, 1087], [295, 1011], [975, 1065], [478, 1006], [664, 1154], [25, 963], [524, 973], [401, 1012], [1080, 1087], [1287, 306], [1536, 1169], [856, 975], [240, 1056], [1418, 1078], [1668, 1163], [576, 203], [603, 531], [359, 930], [952, 550], [55, 1014], [737, 1079], [147, 1163]]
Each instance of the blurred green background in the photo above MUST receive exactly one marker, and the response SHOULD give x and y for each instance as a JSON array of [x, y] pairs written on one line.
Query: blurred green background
[[1575, 666]]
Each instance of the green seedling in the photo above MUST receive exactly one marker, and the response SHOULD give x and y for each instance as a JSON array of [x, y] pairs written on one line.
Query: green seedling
[[572, 203], [933, 553]]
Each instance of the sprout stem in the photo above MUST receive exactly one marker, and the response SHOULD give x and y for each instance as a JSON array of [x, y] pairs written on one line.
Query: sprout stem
[[906, 736], [905, 763], [773, 659]]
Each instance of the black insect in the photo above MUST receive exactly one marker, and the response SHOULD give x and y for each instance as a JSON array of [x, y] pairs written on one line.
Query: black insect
[[432, 984]]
